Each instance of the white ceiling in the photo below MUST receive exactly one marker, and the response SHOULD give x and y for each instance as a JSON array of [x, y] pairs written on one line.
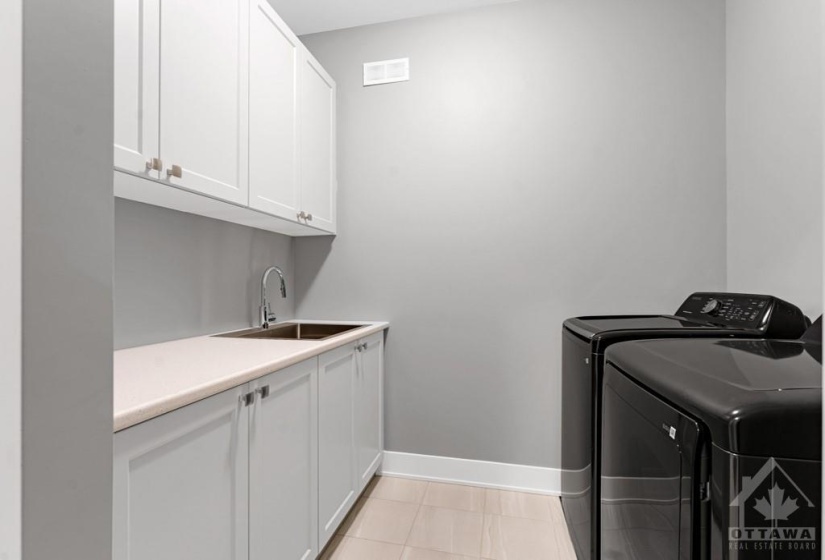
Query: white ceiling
[[314, 16]]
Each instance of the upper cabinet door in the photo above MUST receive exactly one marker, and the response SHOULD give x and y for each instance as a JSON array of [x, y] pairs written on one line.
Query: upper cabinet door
[[136, 85], [318, 175], [204, 85], [274, 58]]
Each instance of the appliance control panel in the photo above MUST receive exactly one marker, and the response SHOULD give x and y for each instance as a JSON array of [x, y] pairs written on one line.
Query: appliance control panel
[[745, 311]]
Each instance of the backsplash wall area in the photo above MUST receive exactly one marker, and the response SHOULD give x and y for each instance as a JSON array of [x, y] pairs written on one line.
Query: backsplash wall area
[[179, 275]]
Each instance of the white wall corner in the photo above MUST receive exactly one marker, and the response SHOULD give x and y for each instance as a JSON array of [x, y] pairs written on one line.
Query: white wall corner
[[11, 139]]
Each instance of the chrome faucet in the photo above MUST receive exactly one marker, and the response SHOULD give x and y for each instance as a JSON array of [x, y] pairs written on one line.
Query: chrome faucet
[[266, 314]]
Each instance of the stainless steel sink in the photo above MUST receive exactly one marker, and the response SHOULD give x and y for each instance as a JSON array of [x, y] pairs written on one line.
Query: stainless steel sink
[[293, 331]]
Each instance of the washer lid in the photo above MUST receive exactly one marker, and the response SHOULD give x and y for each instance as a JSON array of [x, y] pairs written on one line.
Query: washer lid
[[757, 397], [601, 325]]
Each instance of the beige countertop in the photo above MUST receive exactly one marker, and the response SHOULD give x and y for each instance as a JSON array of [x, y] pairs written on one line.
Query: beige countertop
[[155, 379]]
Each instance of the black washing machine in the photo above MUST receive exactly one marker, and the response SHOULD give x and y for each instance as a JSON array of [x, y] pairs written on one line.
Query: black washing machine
[[585, 339], [711, 449]]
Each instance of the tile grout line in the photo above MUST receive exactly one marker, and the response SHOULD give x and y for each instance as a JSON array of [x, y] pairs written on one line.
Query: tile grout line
[[487, 493], [415, 519], [417, 513]]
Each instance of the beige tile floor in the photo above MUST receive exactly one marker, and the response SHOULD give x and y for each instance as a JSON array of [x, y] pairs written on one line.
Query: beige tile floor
[[401, 519]]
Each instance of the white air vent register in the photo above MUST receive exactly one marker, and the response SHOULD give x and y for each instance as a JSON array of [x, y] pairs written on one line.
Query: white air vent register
[[386, 71]]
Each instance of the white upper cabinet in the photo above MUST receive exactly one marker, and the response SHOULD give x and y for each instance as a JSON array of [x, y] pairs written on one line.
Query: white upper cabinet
[[137, 66], [222, 107], [274, 57], [318, 175], [204, 100]]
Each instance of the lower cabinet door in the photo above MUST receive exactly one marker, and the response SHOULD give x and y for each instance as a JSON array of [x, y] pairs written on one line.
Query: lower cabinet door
[[369, 388], [181, 484], [336, 458], [283, 499]]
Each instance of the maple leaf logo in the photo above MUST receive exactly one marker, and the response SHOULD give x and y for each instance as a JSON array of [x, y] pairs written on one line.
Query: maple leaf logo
[[776, 506]]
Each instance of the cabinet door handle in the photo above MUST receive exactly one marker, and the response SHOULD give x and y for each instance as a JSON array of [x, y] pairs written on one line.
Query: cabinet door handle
[[309, 217], [301, 215], [247, 399], [263, 391], [154, 164], [365, 345], [174, 171]]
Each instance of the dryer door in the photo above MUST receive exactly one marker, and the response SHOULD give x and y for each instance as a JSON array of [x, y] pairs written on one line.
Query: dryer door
[[653, 477]]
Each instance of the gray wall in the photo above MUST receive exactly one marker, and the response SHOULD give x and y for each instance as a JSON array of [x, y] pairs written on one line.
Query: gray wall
[[774, 142], [67, 279], [549, 158], [179, 275]]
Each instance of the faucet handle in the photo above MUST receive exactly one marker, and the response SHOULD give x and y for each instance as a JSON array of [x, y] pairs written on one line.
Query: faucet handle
[[267, 316]]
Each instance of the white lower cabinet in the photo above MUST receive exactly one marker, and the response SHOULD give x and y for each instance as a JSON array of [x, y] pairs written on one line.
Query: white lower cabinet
[[267, 470], [181, 486], [336, 444], [283, 445], [350, 427], [369, 425]]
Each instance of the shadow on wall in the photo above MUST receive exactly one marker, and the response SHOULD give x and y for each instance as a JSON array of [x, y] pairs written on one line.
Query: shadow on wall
[[310, 255]]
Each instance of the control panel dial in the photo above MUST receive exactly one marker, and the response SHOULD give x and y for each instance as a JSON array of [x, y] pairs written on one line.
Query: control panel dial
[[712, 307]]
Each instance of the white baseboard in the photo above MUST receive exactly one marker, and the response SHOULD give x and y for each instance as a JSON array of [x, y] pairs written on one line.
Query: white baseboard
[[502, 476]]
